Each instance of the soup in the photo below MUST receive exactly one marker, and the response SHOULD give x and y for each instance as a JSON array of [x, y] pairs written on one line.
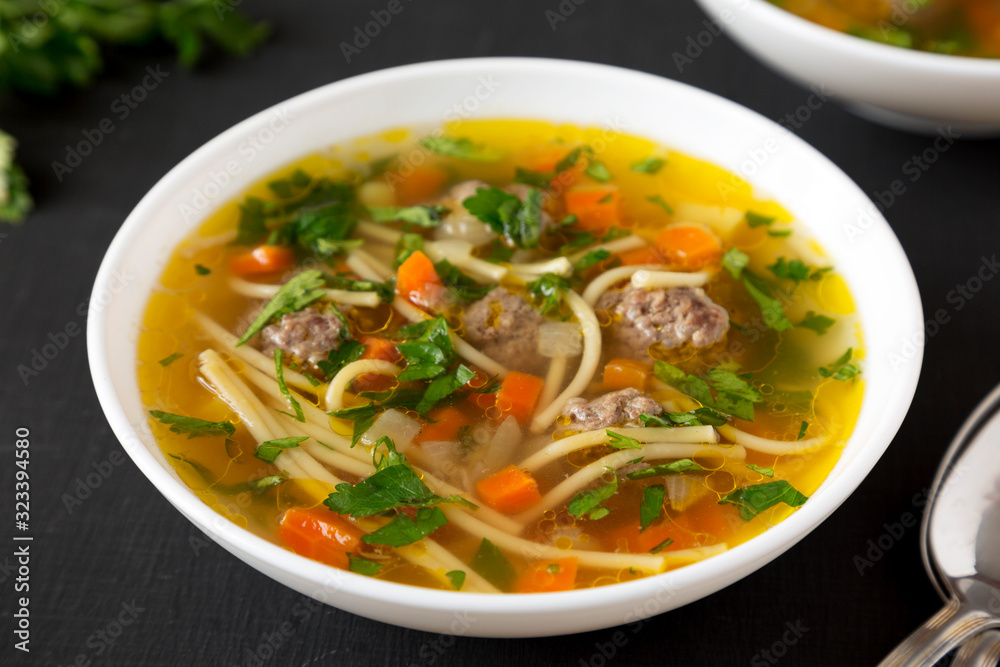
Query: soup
[[508, 356], [957, 27]]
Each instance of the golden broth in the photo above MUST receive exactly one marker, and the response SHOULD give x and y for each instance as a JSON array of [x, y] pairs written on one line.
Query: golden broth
[[784, 364]]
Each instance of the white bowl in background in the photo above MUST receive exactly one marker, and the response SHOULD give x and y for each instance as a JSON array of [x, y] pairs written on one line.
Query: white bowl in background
[[903, 88], [692, 121]]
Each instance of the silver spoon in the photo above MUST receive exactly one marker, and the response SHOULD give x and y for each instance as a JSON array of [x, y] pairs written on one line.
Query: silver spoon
[[962, 536], [983, 650]]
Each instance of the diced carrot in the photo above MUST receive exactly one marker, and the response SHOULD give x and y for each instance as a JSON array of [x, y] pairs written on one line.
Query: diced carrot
[[447, 422], [262, 259], [596, 208], [418, 282], [640, 256], [658, 533], [547, 576], [382, 349], [625, 373], [708, 516], [419, 185], [542, 158], [689, 246], [510, 490], [319, 534], [518, 395]]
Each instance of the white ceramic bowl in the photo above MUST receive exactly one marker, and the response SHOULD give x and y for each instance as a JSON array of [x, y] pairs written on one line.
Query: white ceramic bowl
[[912, 90], [687, 119]]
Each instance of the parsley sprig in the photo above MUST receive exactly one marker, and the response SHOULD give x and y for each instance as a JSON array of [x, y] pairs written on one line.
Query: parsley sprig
[[733, 394]]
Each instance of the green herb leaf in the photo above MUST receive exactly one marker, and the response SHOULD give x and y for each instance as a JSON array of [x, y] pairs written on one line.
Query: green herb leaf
[[490, 563], [754, 499], [386, 291], [586, 502], [427, 348], [548, 290], [591, 258], [696, 417], [779, 233], [518, 222], [598, 172], [766, 472], [841, 369], [734, 396], [422, 216], [279, 371], [457, 578], [269, 449], [252, 224], [619, 441], [734, 261], [349, 351], [363, 566], [649, 165], [363, 417], [443, 386], [381, 165], [662, 545], [461, 148], [166, 361], [406, 246], [460, 285], [392, 487], [659, 201], [652, 505], [265, 482], [538, 179], [673, 468], [802, 430], [569, 160], [770, 307], [794, 269], [202, 270], [757, 220], [192, 426], [818, 323], [403, 530], [499, 252], [296, 294]]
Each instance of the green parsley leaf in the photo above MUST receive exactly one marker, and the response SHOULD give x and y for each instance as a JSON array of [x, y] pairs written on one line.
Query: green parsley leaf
[[202, 270], [252, 224], [770, 307], [422, 216], [269, 449], [363, 566], [576, 240], [166, 361], [490, 563], [802, 430], [754, 499], [615, 233], [499, 252], [427, 348], [662, 545], [766, 472], [758, 220], [443, 386], [841, 369], [386, 291], [460, 147], [619, 441], [403, 530], [586, 502], [391, 487], [652, 505], [538, 179], [649, 165], [818, 323], [379, 166], [794, 269], [673, 468], [779, 233], [734, 396], [569, 160], [598, 172], [279, 371], [407, 245], [460, 285], [570, 219], [591, 258], [659, 201], [287, 188], [518, 222], [293, 296], [265, 482], [363, 417], [384, 454], [734, 261], [192, 426], [349, 351], [696, 417], [548, 290], [457, 578]]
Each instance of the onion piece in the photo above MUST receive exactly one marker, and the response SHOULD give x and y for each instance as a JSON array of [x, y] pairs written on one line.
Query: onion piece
[[396, 426], [559, 339], [501, 447]]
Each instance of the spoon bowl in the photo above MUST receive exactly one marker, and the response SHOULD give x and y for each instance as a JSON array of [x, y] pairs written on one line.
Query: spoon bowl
[[961, 538]]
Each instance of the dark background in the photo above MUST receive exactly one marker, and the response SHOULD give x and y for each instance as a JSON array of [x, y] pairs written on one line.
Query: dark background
[[195, 604]]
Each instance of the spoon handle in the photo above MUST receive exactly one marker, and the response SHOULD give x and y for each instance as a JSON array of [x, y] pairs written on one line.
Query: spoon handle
[[941, 633], [983, 650]]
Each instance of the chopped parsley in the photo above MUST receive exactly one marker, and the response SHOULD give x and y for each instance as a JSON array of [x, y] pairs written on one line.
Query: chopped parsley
[[422, 216], [697, 417], [296, 294], [588, 503], [673, 468], [766, 472], [548, 291], [597, 171], [651, 506], [591, 258], [538, 179], [662, 545], [403, 530], [460, 285], [407, 244], [818, 323], [490, 563], [734, 395], [349, 351], [649, 165], [619, 441], [363, 566], [462, 148], [265, 482], [192, 426], [269, 449], [841, 369], [734, 261], [802, 430], [279, 371], [166, 361], [457, 578], [202, 270], [754, 499], [759, 220], [659, 201], [795, 270], [519, 223]]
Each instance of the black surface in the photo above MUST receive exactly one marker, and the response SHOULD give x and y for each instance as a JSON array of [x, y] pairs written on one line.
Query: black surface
[[124, 545]]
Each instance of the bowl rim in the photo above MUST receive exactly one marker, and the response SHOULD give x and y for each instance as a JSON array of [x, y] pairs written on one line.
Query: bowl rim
[[742, 559], [939, 63]]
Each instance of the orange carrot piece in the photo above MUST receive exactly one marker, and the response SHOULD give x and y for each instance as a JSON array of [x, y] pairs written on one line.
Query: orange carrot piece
[[547, 576], [640, 256], [688, 246], [625, 373], [642, 542], [417, 281], [419, 185], [510, 490], [518, 395], [382, 349], [448, 421], [262, 259], [319, 534], [596, 208]]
